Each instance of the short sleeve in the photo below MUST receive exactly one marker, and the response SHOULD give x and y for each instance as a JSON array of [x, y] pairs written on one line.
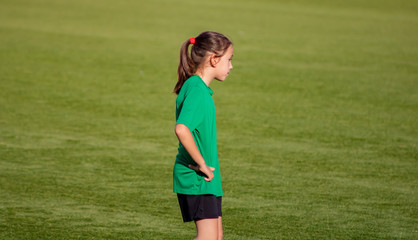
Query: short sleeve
[[191, 110]]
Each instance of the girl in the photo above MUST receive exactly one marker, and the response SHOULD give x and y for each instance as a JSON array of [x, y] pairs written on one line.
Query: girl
[[196, 174]]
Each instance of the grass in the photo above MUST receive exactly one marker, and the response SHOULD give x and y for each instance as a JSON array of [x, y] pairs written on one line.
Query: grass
[[317, 124]]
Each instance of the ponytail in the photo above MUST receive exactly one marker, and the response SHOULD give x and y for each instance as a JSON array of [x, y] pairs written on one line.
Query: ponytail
[[206, 42], [186, 67]]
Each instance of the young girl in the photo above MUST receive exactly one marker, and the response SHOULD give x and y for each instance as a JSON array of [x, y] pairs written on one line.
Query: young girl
[[196, 174]]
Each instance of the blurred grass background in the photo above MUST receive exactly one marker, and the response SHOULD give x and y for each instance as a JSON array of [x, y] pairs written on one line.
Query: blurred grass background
[[317, 123]]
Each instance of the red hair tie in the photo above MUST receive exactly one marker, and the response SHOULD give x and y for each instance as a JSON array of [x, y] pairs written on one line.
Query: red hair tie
[[192, 40]]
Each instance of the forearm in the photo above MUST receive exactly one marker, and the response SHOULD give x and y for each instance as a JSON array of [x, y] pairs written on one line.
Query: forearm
[[185, 137]]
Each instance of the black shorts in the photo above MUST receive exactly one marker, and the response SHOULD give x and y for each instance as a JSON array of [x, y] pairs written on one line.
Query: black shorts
[[196, 207]]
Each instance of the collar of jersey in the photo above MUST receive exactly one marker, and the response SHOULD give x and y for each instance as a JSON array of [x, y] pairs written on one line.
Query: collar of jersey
[[209, 89]]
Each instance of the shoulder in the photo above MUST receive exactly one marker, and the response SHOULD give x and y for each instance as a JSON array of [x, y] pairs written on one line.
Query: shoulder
[[191, 91], [193, 81], [193, 84]]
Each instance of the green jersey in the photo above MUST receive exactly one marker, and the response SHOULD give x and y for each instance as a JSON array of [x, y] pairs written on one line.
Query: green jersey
[[196, 110]]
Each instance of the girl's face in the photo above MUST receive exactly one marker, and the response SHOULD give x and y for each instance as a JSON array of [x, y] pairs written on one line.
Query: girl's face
[[224, 65]]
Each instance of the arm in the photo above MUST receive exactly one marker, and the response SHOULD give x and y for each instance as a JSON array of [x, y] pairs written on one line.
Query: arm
[[185, 137]]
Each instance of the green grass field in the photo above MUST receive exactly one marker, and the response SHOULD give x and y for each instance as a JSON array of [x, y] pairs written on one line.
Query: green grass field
[[317, 123]]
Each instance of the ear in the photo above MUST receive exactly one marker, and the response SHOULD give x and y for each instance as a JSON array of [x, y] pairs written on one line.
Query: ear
[[214, 60]]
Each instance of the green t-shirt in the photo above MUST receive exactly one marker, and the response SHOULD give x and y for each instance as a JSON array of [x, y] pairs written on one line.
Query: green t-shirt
[[195, 109]]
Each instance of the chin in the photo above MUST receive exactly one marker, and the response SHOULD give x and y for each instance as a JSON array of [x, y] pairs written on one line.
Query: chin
[[222, 79]]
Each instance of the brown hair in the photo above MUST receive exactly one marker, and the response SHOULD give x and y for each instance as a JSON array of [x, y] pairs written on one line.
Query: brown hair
[[206, 42]]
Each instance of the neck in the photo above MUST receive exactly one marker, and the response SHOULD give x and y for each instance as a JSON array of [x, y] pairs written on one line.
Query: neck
[[205, 77]]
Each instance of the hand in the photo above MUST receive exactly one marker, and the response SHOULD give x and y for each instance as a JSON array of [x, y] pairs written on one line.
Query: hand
[[208, 171]]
